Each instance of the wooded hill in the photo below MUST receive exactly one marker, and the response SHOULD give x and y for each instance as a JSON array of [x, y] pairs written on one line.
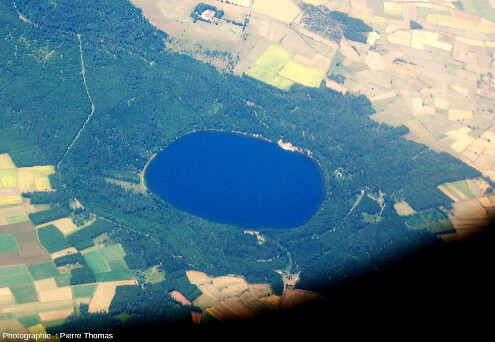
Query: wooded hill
[[145, 97]]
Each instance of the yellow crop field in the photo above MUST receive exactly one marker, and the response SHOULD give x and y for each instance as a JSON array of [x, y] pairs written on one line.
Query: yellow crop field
[[8, 200], [461, 144], [6, 162], [300, 73], [42, 183], [420, 38], [267, 66], [34, 178], [460, 114], [283, 10], [8, 178], [393, 8]]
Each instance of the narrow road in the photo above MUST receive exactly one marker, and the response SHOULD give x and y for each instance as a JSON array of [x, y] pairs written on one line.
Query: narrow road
[[356, 203], [83, 73]]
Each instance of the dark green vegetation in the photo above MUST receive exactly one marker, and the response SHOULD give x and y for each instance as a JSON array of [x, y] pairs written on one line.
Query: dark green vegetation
[[52, 239], [145, 97], [49, 215], [414, 25], [433, 220], [334, 24], [71, 259], [82, 238]]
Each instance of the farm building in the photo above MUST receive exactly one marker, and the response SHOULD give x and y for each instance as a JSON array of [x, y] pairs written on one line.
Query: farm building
[[208, 15]]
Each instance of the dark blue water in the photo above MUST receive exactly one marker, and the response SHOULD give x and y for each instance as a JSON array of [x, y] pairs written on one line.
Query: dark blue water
[[237, 179]]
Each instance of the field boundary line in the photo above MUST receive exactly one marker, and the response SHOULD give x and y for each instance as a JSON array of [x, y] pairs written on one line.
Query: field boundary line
[[83, 73]]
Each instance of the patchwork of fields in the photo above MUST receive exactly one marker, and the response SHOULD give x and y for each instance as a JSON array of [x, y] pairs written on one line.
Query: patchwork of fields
[[42, 280]]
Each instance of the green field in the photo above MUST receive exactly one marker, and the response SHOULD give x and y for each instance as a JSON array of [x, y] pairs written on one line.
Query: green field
[[8, 178], [432, 220], [481, 8], [17, 219], [96, 261], [452, 192], [114, 275], [14, 275], [52, 239], [463, 187], [24, 293], [43, 271], [153, 275], [303, 74], [63, 279], [113, 253], [337, 67], [8, 244], [82, 291], [266, 67], [29, 321]]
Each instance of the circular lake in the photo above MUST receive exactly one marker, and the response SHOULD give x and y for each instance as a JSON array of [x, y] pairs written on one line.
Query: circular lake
[[237, 179]]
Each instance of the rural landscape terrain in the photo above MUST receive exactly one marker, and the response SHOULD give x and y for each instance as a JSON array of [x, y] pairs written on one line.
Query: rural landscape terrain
[[394, 100]]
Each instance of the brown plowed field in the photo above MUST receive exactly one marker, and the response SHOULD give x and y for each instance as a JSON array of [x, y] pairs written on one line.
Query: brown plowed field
[[31, 252]]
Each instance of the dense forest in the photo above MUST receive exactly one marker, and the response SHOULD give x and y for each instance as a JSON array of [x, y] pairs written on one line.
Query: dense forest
[[145, 97]]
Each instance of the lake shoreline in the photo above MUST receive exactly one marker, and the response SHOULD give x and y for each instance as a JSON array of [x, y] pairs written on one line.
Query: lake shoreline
[[285, 146], [201, 173]]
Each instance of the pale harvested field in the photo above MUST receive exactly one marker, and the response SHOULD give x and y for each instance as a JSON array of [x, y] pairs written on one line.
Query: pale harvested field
[[45, 285], [6, 162], [34, 308], [335, 86], [488, 201], [210, 290], [283, 10], [102, 298], [12, 326], [479, 186], [54, 315], [460, 114], [226, 281], [65, 225], [53, 295], [218, 290], [404, 209], [198, 278], [471, 209], [6, 296], [64, 252], [317, 61], [256, 291], [485, 161], [234, 290], [205, 301]]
